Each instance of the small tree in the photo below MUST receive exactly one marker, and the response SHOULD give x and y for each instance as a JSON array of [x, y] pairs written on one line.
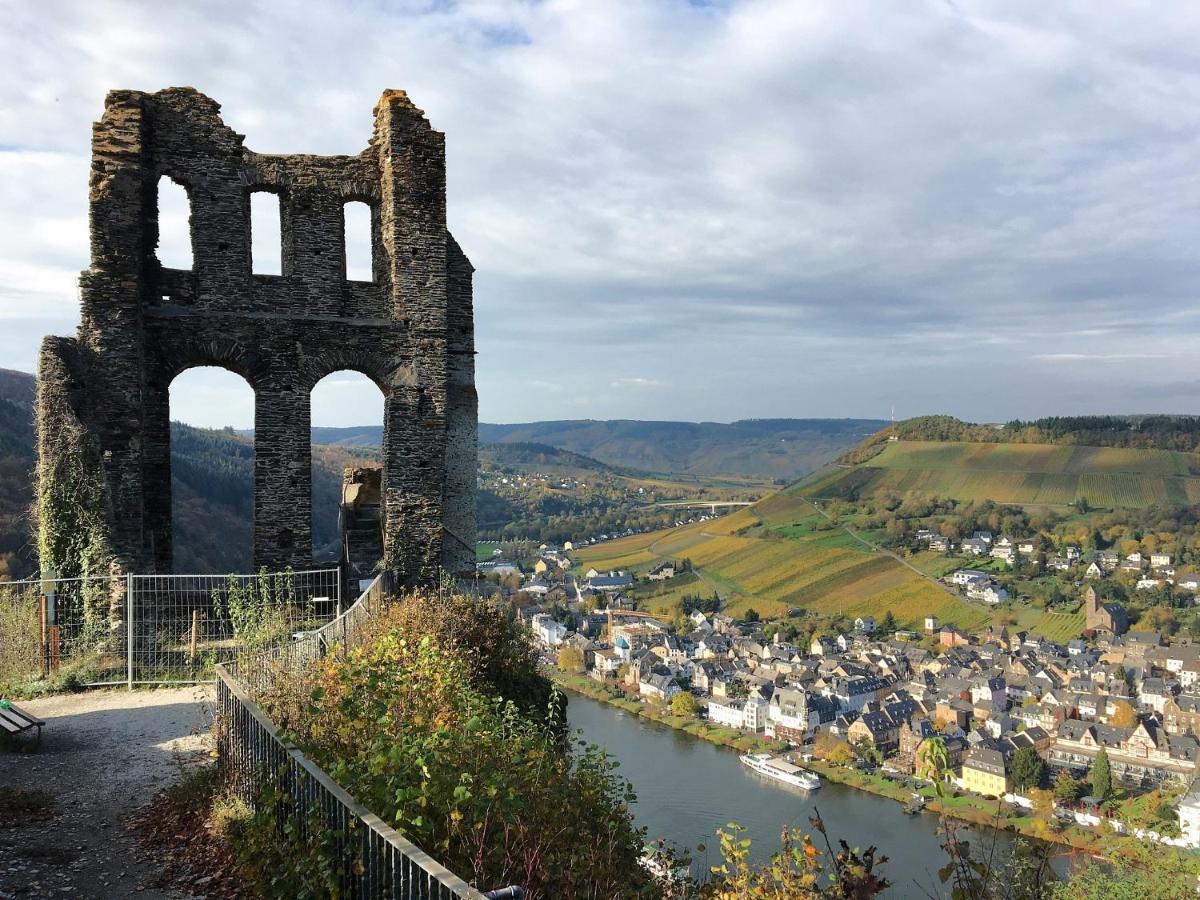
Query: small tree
[[1068, 789], [1043, 809], [1027, 769], [933, 761], [841, 755], [1101, 776], [683, 704], [1043, 802], [752, 615], [888, 625], [570, 659], [824, 744]]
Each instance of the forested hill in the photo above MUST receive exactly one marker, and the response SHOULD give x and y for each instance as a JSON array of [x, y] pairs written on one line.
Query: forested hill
[[16, 470], [212, 476], [782, 449], [213, 473], [1146, 432]]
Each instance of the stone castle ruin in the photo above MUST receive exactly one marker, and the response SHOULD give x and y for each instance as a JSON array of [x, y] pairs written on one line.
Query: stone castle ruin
[[104, 470]]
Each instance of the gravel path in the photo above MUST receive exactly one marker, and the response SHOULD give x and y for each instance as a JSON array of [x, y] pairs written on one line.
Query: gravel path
[[103, 755]]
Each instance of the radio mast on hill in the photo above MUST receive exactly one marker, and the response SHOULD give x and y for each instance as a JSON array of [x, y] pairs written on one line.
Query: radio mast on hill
[[893, 436]]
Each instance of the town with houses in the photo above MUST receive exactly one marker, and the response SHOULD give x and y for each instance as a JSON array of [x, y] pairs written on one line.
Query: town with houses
[[1144, 571], [1131, 696]]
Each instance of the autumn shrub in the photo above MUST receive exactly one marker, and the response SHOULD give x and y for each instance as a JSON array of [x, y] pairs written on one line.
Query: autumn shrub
[[799, 870], [429, 722], [498, 655]]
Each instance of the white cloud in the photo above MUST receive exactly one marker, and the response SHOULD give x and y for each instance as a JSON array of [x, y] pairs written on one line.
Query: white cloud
[[763, 208], [1096, 357], [635, 382]]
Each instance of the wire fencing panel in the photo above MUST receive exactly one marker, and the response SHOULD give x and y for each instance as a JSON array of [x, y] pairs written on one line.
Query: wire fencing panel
[[69, 628], [184, 625]]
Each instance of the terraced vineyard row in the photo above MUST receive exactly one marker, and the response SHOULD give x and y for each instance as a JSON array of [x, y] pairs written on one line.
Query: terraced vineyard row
[[827, 572]]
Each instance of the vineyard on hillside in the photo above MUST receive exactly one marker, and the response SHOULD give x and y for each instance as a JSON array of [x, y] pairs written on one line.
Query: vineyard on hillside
[[1023, 474], [762, 567]]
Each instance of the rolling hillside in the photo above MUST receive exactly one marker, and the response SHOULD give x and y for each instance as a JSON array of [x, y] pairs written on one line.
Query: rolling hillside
[[1024, 474], [776, 449], [783, 553]]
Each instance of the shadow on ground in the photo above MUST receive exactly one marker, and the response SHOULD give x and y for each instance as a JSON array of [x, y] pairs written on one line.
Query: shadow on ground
[[103, 754]]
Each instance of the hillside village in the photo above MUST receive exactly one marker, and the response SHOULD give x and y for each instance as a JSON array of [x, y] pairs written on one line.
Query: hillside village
[[1016, 711], [1143, 572]]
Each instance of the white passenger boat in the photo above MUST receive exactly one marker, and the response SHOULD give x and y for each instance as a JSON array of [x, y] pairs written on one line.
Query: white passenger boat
[[780, 769]]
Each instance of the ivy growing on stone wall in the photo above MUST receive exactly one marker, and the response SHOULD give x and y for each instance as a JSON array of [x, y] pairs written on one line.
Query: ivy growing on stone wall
[[73, 538]]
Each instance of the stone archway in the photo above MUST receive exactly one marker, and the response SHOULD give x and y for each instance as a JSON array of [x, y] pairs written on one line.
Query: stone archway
[[103, 396]]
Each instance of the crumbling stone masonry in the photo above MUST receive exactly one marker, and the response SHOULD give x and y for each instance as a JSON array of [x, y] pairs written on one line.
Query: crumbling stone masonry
[[360, 525], [103, 397]]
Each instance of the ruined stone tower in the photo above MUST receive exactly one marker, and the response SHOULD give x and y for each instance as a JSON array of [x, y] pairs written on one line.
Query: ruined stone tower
[[104, 440]]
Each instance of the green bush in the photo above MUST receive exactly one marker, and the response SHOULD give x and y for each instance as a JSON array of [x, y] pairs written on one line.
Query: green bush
[[411, 723]]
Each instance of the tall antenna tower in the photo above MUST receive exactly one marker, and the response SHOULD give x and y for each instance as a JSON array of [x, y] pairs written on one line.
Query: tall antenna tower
[[893, 436]]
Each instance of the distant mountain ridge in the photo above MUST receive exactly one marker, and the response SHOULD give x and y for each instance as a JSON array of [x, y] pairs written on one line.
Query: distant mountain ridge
[[783, 449], [213, 469], [531, 454]]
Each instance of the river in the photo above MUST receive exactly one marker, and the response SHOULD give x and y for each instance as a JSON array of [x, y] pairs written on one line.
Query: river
[[687, 788]]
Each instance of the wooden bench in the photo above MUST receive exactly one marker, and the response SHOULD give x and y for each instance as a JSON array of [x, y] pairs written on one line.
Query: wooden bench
[[14, 720]]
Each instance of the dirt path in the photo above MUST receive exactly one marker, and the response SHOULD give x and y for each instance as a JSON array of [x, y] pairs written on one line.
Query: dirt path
[[103, 755]]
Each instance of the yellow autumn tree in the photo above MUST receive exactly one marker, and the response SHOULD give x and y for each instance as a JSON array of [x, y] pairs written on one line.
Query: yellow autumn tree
[[1124, 715], [570, 659]]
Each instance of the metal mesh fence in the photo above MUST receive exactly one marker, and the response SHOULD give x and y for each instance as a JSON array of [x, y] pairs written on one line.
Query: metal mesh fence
[[183, 625], [63, 627], [142, 629]]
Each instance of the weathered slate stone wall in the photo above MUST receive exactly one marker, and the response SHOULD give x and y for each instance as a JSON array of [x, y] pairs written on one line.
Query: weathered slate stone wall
[[410, 329]]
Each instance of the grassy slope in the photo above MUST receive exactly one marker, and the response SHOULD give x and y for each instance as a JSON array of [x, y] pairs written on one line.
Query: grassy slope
[[781, 560], [1025, 474]]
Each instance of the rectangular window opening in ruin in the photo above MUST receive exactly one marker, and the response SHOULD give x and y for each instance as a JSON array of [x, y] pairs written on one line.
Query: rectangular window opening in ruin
[[174, 225], [359, 245], [266, 240]]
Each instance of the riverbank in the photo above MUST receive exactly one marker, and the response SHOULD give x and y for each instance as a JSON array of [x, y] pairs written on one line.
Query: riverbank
[[714, 734], [967, 808]]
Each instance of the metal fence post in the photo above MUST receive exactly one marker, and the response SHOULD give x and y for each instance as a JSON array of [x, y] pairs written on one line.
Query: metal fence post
[[129, 628]]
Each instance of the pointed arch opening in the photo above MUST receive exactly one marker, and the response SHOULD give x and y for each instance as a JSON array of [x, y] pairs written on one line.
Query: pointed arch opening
[[212, 471], [174, 225], [347, 430]]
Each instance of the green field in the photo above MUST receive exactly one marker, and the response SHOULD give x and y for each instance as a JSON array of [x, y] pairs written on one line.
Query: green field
[[1022, 474]]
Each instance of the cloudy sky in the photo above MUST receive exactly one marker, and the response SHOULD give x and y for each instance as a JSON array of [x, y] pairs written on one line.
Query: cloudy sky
[[699, 210]]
